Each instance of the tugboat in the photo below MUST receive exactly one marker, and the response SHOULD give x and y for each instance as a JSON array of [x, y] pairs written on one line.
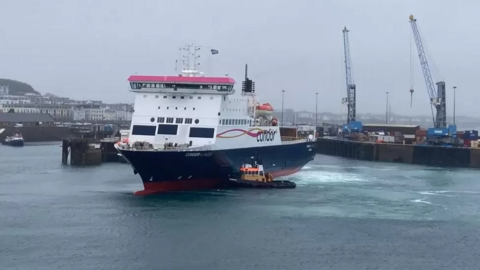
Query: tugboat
[[253, 175], [15, 140]]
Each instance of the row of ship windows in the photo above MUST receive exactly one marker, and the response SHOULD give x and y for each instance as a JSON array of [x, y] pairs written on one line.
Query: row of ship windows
[[179, 120], [175, 97], [234, 122], [176, 108], [191, 97], [169, 120], [169, 129], [185, 108], [136, 85]]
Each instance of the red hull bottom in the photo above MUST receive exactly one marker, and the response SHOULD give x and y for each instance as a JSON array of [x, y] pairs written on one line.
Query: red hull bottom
[[197, 184], [183, 185]]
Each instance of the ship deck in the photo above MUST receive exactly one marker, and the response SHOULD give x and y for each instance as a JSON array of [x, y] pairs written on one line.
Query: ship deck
[[186, 148]]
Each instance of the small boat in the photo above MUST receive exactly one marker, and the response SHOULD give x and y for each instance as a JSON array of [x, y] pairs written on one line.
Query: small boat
[[15, 140], [253, 175]]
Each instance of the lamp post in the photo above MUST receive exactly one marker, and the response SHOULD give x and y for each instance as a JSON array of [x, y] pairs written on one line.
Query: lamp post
[[386, 111], [454, 94], [316, 110], [283, 94]]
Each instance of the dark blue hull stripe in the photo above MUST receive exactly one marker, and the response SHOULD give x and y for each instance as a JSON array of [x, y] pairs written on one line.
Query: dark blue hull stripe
[[160, 166]]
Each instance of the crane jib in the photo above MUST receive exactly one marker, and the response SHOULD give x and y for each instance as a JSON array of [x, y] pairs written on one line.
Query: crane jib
[[437, 94]]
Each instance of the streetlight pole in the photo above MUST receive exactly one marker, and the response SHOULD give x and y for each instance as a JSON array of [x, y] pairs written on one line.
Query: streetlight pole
[[283, 94], [316, 110], [386, 111], [454, 94]]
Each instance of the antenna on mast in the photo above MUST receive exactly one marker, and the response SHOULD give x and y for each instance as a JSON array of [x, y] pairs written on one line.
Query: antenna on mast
[[190, 60]]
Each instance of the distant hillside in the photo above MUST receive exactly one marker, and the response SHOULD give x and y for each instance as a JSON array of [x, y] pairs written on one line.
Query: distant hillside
[[18, 88]]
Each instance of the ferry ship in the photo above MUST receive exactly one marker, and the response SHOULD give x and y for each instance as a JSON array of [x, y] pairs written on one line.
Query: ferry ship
[[192, 132]]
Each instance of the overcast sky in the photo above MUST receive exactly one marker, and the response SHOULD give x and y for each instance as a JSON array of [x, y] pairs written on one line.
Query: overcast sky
[[86, 49]]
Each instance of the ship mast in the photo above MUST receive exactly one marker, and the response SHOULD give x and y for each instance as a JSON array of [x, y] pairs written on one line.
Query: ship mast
[[190, 60]]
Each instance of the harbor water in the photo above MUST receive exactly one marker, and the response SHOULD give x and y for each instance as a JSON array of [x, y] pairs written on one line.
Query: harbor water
[[344, 214]]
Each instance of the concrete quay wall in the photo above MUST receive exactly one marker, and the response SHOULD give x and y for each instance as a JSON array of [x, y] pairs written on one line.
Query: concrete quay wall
[[411, 154]]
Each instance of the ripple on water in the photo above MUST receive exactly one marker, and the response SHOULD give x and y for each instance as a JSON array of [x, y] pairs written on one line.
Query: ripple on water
[[86, 218]]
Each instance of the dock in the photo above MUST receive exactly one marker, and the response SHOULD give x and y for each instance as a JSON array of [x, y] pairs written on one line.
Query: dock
[[89, 151], [401, 153]]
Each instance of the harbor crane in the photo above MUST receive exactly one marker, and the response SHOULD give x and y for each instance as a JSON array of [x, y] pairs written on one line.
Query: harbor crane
[[352, 125], [440, 133]]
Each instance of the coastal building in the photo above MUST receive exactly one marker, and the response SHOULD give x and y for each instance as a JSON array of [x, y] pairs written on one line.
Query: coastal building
[[78, 114], [4, 90], [59, 112], [25, 119]]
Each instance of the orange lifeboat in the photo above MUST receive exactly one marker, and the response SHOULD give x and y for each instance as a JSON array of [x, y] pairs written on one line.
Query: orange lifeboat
[[264, 109]]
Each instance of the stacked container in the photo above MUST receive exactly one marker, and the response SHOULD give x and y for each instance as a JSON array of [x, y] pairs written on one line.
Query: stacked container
[[468, 136]]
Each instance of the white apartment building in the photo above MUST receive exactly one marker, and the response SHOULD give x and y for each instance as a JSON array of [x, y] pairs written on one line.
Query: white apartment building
[[4, 90], [109, 115], [6, 99], [123, 115], [78, 115], [94, 114], [18, 108]]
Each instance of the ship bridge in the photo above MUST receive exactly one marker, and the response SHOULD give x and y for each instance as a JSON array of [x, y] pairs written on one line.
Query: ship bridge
[[182, 84]]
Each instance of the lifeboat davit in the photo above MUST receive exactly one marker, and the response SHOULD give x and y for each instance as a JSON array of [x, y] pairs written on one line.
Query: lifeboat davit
[[264, 109]]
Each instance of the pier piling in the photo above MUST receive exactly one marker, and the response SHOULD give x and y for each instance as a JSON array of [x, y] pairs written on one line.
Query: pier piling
[[88, 151]]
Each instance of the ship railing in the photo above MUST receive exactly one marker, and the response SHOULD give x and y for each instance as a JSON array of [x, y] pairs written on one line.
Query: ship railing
[[145, 146], [294, 141]]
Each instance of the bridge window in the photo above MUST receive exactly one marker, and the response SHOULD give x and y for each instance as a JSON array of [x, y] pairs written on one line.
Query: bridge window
[[143, 130], [188, 120], [167, 129], [170, 120], [161, 120], [137, 85], [201, 132], [179, 120]]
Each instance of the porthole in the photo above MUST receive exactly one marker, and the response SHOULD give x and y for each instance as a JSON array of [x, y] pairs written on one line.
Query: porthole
[[152, 119], [197, 121]]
